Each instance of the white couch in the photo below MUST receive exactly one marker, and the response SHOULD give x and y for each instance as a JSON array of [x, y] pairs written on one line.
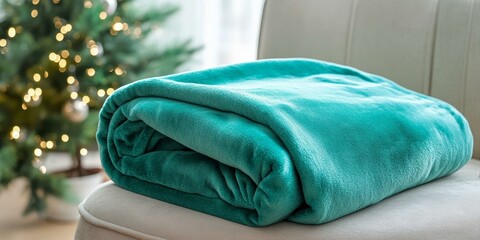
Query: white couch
[[432, 46]]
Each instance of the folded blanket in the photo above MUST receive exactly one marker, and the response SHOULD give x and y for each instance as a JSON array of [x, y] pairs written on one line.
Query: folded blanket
[[287, 139]]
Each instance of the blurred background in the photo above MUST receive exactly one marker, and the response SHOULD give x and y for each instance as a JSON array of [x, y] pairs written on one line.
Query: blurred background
[[60, 60]]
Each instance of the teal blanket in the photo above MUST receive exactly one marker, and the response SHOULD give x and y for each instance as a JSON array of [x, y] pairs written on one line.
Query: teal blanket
[[288, 139]]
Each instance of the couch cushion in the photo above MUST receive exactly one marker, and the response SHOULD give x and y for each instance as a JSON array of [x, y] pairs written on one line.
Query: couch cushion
[[444, 209]]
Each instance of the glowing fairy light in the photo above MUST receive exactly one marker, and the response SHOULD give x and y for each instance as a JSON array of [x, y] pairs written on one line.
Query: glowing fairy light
[[62, 63], [118, 71], [68, 27], [70, 80], [86, 99], [37, 77], [94, 50], [65, 138], [27, 98], [87, 4], [101, 93], [37, 152], [59, 37], [110, 91], [49, 144], [3, 42], [34, 13], [77, 58], [102, 15], [65, 53], [45, 74], [15, 133], [43, 144], [90, 72], [118, 26], [52, 56], [35, 2], [43, 169], [11, 32], [73, 95], [83, 152]]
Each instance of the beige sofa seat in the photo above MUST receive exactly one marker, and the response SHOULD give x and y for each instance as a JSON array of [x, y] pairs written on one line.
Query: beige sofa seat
[[448, 208]]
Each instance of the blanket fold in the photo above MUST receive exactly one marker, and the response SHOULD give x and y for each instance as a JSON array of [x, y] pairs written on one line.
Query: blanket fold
[[271, 140]]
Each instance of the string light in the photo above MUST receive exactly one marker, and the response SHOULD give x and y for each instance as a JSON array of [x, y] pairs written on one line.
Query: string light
[[58, 22], [24, 106], [94, 50], [34, 13], [101, 92], [59, 37], [55, 1], [27, 98], [37, 152], [65, 29], [65, 54], [43, 169], [35, 2], [118, 71], [118, 26], [11, 32], [70, 80], [86, 99], [87, 4], [73, 95], [15, 133], [68, 27], [45, 74], [90, 72], [52, 56], [83, 152], [38, 91], [62, 63], [35, 98], [125, 26], [103, 15], [3, 42], [43, 144], [110, 91], [90, 43], [49, 144], [37, 77], [65, 138], [77, 59]]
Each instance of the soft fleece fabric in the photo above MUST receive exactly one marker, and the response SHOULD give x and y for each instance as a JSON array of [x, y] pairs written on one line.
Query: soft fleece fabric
[[296, 139]]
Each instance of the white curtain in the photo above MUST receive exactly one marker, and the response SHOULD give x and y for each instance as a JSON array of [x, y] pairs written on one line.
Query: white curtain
[[226, 29]]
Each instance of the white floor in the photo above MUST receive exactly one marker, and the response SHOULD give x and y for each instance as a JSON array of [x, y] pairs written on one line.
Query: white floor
[[14, 226]]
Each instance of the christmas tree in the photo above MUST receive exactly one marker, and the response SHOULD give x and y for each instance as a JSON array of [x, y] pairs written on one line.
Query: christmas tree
[[59, 60]]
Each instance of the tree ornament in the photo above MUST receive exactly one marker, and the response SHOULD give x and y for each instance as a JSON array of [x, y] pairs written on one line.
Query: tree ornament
[[110, 6], [75, 110]]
